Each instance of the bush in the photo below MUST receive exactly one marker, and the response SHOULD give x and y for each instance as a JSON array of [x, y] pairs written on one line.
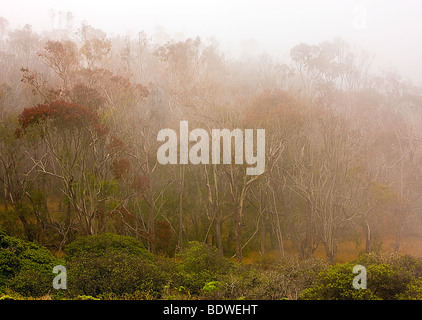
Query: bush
[[31, 283], [413, 265], [6, 297], [413, 291], [239, 283], [268, 282], [9, 265], [210, 287], [111, 264], [336, 284], [106, 242], [197, 257], [25, 267], [200, 264], [387, 279]]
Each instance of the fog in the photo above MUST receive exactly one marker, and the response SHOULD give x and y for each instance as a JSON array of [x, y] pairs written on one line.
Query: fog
[[195, 138], [388, 29]]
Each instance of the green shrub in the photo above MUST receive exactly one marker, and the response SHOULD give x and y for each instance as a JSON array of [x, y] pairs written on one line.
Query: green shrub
[[199, 264], [198, 257], [31, 283], [413, 291], [387, 281], [211, 286], [25, 267], [194, 282], [336, 284], [268, 282], [111, 264], [83, 297], [9, 265], [408, 263], [100, 243]]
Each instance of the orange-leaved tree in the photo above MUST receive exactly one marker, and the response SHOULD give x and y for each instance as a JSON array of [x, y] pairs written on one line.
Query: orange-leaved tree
[[77, 156]]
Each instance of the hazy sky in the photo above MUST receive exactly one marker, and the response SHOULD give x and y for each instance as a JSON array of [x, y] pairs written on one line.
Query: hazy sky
[[391, 29]]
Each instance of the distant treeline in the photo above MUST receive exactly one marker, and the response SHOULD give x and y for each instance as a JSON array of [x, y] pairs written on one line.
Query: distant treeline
[[80, 112]]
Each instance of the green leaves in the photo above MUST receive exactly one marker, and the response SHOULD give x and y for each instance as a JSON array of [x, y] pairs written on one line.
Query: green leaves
[[25, 267], [111, 264], [102, 243], [387, 280]]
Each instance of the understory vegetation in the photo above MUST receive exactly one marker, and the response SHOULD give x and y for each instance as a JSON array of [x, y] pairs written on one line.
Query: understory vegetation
[[109, 266]]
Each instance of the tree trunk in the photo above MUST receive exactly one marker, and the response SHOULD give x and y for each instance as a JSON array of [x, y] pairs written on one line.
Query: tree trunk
[[181, 189], [279, 236], [368, 238], [5, 197], [331, 250], [218, 214], [26, 227], [151, 222], [263, 239], [218, 227], [399, 235], [238, 233]]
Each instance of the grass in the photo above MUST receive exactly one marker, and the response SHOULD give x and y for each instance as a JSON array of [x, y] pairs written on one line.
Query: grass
[[349, 248]]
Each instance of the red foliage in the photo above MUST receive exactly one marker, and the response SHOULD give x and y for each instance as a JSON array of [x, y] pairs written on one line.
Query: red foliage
[[63, 114], [120, 168], [124, 84], [143, 91], [87, 96], [272, 107], [140, 183], [60, 54], [18, 133], [102, 78], [116, 144], [93, 76]]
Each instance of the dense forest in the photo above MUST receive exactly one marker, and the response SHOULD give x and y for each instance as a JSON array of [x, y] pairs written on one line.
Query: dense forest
[[79, 116]]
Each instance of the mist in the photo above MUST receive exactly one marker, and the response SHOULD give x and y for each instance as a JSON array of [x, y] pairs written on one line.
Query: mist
[[210, 150], [388, 29]]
